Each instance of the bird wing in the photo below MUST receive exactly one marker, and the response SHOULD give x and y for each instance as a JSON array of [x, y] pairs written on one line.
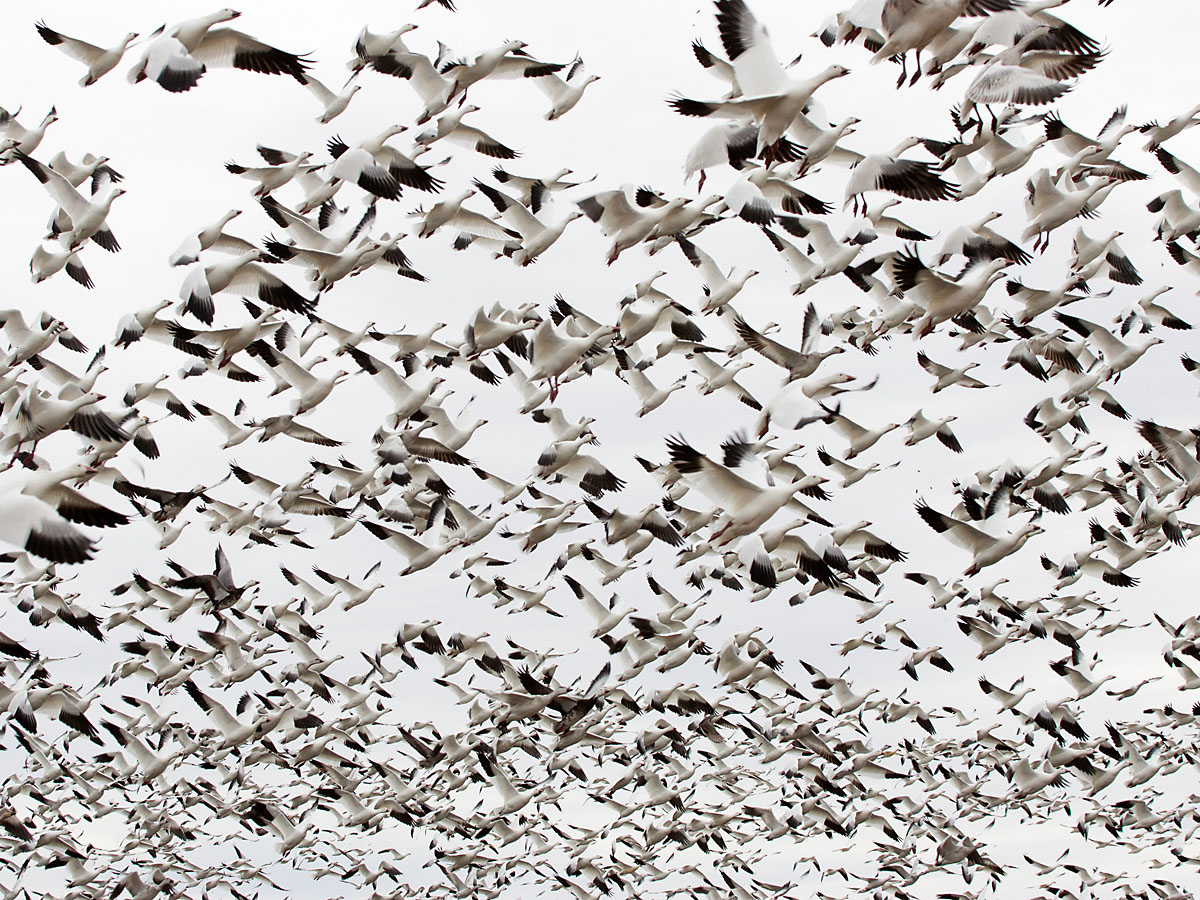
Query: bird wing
[[726, 488], [1178, 459], [58, 187], [749, 49], [772, 350], [966, 536], [73, 47], [231, 48], [1014, 84]]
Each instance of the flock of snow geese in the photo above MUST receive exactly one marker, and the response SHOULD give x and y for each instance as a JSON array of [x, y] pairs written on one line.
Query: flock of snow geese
[[257, 704]]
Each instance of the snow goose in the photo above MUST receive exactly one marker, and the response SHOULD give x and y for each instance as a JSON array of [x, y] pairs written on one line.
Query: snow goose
[[1006, 79], [1124, 554], [822, 143], [1037, 301], [420, 556], [942, 298], [728, 143], [18, 138], [353, 593], [1006, 158], [310, 389], [1102, 258], [914, 179], [39, 510], [921, 427], [88, 219], [327, 267], [369, 47], [89, 166], [878, 222], [287, 425], [739, 449], [757, 72], [26, 342], [535, 191], [1159, 134], [508, 60], [861, 22], [37, 414], [166, 61], [232, 733], [1176, 456], [1071, 142], [312, 234], [985, 549], [832, 256], [450, 126], [799, 363], [565, 93], [487, 332], [536, 236], [403, 168], [51, 257], [241, 273], [946, 376], [745, 506], [98, 60], [861, 439], [774, 110], [978, 241], [717, 66], [718, 287], [1118, 355], [332, 105], [650, 308], [450, 211], [796, 259], [1006, 27], [423, 75], [649, 396], [673, 218], [553, 352], [1046, 417], [273, 177], [745, 197], [1178, 219], [1010, 78], [626, 223], [914, 24], [210, 237], [176, 58], [407, 399], [1147, 313]]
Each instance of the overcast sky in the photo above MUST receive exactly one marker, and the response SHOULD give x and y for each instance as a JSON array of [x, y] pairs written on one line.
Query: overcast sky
[[172, 150]]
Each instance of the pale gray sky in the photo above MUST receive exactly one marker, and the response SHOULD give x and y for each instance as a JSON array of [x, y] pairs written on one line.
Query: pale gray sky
[[172, 149]]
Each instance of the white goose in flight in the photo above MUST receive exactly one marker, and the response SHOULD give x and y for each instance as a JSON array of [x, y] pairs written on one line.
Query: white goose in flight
[[88, 218], [99, 61], [29, 522], [241, 273], [210, 237], [914, 24], [745, 506], [178, 57], [985, 549], [536, 236]]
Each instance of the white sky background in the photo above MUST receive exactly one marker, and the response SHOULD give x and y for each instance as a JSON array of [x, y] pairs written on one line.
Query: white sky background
[[172, 149]]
